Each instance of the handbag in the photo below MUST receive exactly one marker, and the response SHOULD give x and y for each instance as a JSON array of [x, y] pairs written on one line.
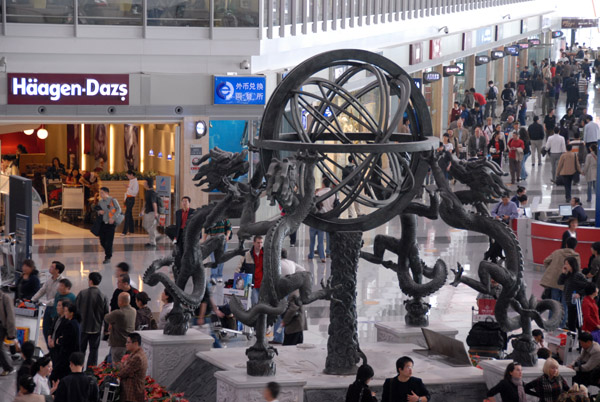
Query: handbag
[[96, 226], [560, 180], [118, 218]]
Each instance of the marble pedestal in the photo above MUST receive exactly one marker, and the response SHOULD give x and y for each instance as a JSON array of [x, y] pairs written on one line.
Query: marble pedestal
[[169, 355], [493, 372], [399, 332], [237, 386], [306, 364]]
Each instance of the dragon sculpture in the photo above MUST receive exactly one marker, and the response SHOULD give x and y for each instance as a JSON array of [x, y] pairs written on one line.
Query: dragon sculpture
[[281, 184], [218, 170], [410, 269], [482, 177]]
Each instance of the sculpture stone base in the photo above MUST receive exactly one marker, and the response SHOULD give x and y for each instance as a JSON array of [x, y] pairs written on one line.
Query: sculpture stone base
[[237, 386], [493, 372], [305, 363], [400, 332], [168, 355]]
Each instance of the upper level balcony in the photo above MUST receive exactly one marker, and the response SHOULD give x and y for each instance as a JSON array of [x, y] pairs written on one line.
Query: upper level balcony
[[271, 18]]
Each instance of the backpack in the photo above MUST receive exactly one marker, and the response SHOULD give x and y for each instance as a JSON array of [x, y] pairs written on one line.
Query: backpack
[[491, 93], [469, 121]]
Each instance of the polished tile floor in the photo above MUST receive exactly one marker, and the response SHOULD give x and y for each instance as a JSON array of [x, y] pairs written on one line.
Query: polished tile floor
[[378, 295]]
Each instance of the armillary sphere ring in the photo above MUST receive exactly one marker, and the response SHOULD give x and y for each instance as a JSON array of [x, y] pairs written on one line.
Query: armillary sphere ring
[[356, 111]]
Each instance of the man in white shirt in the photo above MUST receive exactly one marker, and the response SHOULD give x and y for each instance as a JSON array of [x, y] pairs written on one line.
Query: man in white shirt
[[46, 295], [556, 147], [133, 188], [591, 132]]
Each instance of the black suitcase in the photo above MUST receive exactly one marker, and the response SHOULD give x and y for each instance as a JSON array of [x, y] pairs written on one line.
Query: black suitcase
[[487, 334]]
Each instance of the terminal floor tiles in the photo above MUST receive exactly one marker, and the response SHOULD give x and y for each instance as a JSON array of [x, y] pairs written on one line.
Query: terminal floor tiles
[[378, 295]]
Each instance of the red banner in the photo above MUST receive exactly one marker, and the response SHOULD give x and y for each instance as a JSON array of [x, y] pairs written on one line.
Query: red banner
[[68, 89]]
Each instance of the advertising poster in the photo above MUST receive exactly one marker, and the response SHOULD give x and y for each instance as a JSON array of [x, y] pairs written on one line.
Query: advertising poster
[[195, 156], [54, 193], [132, 146], [100, 146]]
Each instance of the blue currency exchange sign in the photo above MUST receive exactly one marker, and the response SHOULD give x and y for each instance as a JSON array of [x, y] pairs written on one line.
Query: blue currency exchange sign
[[239, 90]]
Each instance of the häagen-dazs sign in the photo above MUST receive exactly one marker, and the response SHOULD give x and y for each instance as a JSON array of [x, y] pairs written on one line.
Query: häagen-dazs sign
[[68, 89]]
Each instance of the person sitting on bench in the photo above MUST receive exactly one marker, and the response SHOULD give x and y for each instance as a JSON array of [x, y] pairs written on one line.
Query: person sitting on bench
[[587, 365]]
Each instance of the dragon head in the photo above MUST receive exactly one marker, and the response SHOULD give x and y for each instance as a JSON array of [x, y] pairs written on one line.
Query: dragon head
[[481, 175], [222, 166], [282, 183]]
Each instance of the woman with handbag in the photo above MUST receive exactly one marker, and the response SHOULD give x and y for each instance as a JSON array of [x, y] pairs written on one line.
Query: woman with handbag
[[359, 390], [568, 167], [575, 283], [515, 156], [496, 146], [111, 218]]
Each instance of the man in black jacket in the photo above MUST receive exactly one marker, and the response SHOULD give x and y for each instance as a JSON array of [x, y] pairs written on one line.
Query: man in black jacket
[[550, 123], [93, 306], [181, 218], [77, 386], [536, 134]]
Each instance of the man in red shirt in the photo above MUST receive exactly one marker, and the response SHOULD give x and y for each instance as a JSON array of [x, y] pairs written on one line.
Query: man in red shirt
[[181, 218], [252, 263], [479, 98]]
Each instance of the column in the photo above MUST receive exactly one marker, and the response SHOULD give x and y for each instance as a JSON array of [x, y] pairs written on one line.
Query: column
[[470, 72], [342, 344], [188, 137], [451, 97], [437, 105]]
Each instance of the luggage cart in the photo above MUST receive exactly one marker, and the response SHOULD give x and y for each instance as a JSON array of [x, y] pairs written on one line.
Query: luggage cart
[[72, 202], [241, 329], [28, 320]]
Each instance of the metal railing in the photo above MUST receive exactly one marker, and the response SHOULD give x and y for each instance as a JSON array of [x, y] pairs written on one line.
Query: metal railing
[[308, 15], [195, 13], [301, 16]]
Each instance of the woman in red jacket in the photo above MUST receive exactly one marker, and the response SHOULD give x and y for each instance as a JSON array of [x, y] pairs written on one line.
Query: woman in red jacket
[[589, 310]]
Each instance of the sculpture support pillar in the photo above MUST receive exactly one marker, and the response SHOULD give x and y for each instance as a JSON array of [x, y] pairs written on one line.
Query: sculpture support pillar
[[342, 345]]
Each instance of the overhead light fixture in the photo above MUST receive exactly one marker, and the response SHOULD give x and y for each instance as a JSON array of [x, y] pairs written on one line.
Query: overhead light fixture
[[160, 154], [28, 131], [42, 133], [444, 28], [506, 17], [169, 157], [151, 152], [245, 65]]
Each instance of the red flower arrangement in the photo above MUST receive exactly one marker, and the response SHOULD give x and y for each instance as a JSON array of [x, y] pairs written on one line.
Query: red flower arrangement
[[154, 391]]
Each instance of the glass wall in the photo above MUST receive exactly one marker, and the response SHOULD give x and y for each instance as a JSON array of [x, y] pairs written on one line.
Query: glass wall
[[227, 13]]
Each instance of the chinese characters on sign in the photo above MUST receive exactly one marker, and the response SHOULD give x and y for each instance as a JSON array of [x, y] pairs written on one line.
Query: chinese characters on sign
[[239, 90]]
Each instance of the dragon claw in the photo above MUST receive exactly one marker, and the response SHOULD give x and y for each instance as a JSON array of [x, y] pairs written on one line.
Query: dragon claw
[[458, 272]]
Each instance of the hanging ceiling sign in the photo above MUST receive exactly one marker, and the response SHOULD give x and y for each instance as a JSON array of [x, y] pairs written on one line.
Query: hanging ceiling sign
[[431, 76], [497, 54], [557, 34], [534, 42], [449, 71], [575, 23], [512, 50], [480, 60]]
